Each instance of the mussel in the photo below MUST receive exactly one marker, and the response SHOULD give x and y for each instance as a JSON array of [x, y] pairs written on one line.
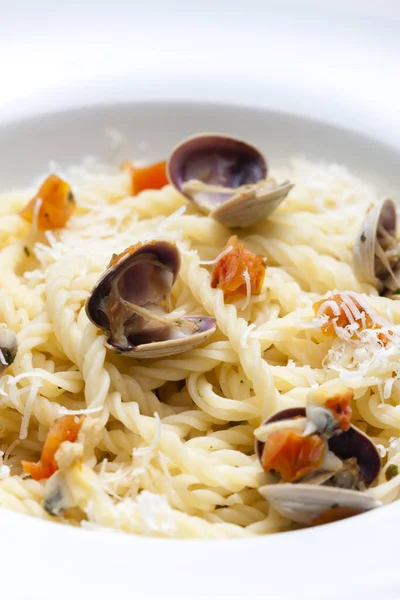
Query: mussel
[[131, 304], [376, 254], [8, 347], [226, 178], [349, 465]]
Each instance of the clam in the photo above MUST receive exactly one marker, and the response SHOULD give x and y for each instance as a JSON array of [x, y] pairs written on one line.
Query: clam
[[376, 254], [226, 178], [8, 347], [337, 489], [131, 304]]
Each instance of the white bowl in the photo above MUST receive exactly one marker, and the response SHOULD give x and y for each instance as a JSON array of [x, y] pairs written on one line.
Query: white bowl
[[313, 563]]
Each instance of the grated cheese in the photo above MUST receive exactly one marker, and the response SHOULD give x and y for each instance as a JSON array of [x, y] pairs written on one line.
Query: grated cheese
[[178, 213], [387, 389], [220, 255], [382, 450], [23, 433], [248, 289], [83, 411], [155, 513], [328, 304], [35, 215]]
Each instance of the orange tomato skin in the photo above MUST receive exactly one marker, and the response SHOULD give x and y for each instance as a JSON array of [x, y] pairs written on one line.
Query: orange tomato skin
[[57, 205], [341, 408], [152, 177], [116, 258], [65, 429], [337, 513], [228, 272], [342, 319], [292, 455]]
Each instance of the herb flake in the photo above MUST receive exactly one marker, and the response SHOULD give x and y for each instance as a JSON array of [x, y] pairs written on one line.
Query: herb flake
[[391, 472], [363, 237], [26, 250]]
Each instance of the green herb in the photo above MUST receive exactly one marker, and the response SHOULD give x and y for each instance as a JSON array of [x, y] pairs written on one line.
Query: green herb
[[71, 198], [117, 351], [26, 250], [363, 237], [396, 291], [391, 472]]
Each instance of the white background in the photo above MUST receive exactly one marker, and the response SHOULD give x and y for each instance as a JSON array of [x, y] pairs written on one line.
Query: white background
[[338, 61]]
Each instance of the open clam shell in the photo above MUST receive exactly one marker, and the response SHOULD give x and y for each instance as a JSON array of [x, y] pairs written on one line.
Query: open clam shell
[[352, 443], [304, 502], [131, 303], [308, 504], [376, 254], [8, 347], [187, 340], [226, 178]]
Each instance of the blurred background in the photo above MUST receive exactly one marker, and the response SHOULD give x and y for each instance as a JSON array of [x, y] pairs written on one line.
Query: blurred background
[[310, 57]]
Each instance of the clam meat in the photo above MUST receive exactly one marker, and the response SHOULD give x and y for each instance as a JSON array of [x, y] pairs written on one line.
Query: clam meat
[[131, 304], [376, 253], [226, 178], [320, 465]]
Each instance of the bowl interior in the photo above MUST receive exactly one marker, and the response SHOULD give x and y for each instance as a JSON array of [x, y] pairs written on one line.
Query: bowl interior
[[150, 130]]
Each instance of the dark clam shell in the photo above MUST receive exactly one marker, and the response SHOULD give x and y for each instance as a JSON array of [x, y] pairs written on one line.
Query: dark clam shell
[[8, 347], [131, 302], [347, 444], [135, 273], [376, 238], [217, 160]]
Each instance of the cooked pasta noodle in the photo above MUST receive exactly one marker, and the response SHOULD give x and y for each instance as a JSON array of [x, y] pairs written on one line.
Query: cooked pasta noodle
[[166, 447]]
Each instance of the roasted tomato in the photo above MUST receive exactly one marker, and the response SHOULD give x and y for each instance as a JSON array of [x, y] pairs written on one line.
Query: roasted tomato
[[341, 408], [292, 455], [152, 177], [53, 204], [229, 273], [342, 310], [337, 513], [65, 429]]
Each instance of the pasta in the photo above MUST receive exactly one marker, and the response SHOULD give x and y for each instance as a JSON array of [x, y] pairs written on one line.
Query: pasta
[[166, 447]]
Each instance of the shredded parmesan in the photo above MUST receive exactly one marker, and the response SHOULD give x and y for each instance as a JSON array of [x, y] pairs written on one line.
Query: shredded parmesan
[[220, 255], [387, 390], [83, 411], [156, 514], [28, 409], [167, 221], [35, 215], [248, 289]]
